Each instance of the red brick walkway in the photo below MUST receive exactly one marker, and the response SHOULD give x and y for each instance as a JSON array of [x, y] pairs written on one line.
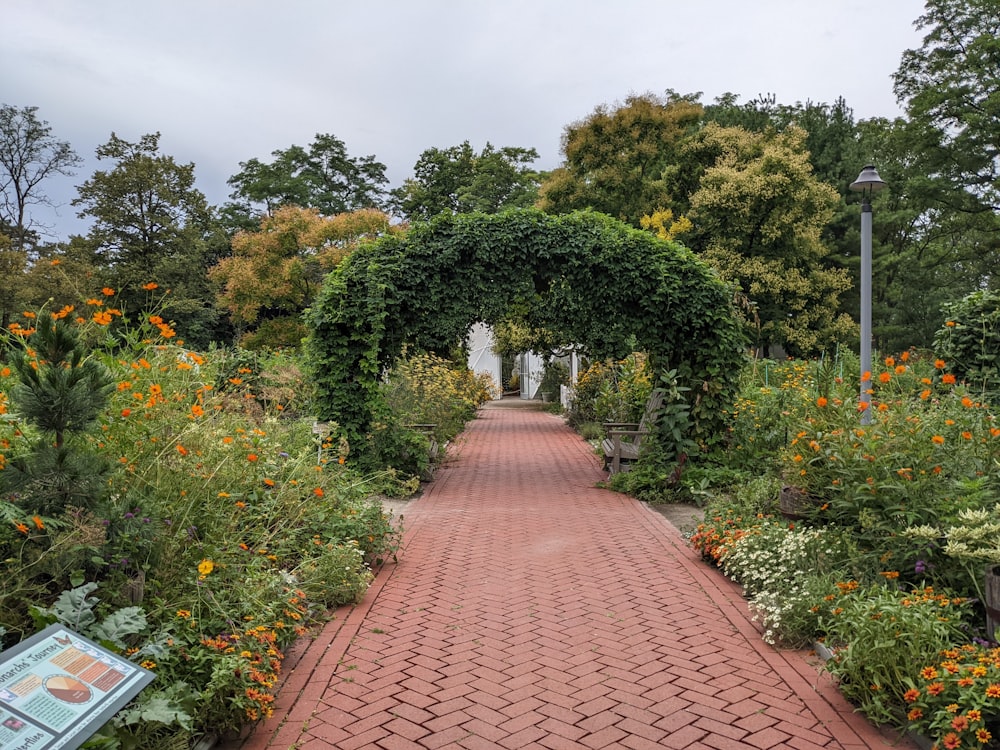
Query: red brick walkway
[[530, 609]]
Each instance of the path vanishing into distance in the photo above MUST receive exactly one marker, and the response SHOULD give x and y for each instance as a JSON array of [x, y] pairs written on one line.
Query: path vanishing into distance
[[531, 609]]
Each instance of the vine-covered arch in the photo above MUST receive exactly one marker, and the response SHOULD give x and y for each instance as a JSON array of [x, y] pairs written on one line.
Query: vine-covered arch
[[584, 277]]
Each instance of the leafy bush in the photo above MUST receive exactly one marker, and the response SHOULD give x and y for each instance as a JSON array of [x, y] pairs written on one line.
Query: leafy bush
[[427, 389], [970, 340], [611, 391], [864, 627]]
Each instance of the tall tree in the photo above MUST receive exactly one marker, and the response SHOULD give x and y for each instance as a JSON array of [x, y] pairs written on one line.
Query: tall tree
[[152, 226], [29, 154], [951, 89], [757, 216], [614, 159], [273, 274], [323, 176], [458, 180]]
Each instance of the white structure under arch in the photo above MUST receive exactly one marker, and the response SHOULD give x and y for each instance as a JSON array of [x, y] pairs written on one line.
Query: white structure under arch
[[529, 367]]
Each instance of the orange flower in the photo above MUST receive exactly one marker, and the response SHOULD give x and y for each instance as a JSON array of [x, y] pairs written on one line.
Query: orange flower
[[252, 457], [23, 528], [197, 410], [951, 741], [268, 482], [318, 492], [939, 364], [150, 286], [884, 377], [935, 688], [821, 402], [993, 690], [967, 435], [900, 369], [950, 323], [948, 379], [912, 695], [39, 524], [937, 439], [905, 356], [108, 291], [889, 361], [182, 450], [915, 714], [967, 402], [925, 394]]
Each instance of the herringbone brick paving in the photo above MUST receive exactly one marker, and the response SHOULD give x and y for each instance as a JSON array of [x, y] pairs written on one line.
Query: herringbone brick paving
[[531, 609]]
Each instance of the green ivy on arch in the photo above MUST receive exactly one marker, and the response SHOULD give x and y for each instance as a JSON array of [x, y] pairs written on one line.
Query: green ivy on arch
[[585, 278]]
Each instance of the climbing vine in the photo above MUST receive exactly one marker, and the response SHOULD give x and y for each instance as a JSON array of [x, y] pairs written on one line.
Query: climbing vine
[[583, 278]]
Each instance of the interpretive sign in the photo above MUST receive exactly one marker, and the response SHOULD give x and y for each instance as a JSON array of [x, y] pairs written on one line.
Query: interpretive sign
[[57, 688]]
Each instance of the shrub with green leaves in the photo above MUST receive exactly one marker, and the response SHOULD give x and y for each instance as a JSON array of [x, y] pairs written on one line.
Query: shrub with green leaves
[[970, 340], [881, 636]]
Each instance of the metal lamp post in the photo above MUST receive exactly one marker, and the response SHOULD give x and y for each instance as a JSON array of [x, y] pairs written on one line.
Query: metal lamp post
[[868, 182]]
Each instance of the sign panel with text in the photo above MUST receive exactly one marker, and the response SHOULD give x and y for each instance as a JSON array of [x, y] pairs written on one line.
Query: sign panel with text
[[57, 688]]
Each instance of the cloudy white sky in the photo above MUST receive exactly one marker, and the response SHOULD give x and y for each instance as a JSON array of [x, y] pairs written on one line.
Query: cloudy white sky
[[224, 81]]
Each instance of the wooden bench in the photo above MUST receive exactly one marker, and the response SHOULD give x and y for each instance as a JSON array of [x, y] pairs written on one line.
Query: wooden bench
[[624, 440]]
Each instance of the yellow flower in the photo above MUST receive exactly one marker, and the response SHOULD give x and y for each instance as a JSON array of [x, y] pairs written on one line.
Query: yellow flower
[[205, 567]]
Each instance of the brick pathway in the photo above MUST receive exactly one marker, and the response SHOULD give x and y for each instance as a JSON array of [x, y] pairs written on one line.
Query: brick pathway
[[530, 609]]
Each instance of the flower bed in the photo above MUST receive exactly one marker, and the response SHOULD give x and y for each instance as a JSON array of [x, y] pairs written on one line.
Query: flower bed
[[886, 564]]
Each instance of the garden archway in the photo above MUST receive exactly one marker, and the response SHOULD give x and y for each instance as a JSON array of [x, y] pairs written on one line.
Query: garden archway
[[584, 277]]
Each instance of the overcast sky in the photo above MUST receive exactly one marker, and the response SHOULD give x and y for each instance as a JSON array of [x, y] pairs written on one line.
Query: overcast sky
[[224, 81]]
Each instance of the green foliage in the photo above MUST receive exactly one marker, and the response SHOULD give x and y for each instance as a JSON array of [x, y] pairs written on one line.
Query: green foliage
[[970, 340], [334, 574], [573, 275], [424, 389], [758, 212], [554, 375], [612, 391], [949, 87], [863, 628], [954, 701], [322, 176], [75, 608], [616, 157], [459, 180], [60, 394], [152, 226], [915, 463]]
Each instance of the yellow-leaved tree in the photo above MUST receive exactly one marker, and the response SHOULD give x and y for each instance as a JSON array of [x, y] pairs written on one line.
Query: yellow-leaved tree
[[273, 273]]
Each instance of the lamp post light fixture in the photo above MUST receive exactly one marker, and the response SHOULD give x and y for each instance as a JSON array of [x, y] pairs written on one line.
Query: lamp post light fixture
[[868, 182]]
